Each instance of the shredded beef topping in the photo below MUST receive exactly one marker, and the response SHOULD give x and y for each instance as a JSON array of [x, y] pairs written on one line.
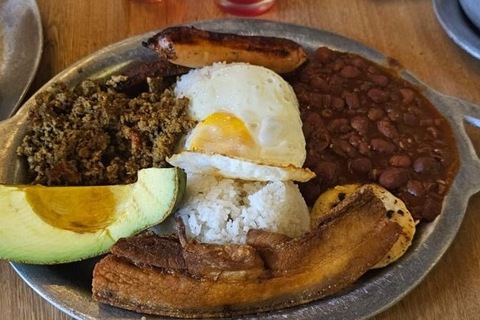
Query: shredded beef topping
[[93, 135]]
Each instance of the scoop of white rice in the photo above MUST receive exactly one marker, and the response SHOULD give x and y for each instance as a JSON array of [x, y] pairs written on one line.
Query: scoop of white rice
[[219, 210]]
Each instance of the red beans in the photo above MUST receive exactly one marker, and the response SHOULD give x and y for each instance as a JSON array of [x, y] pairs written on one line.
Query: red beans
[[319, 83], [387, 128], [350, 72], [352, 101], [379, 79], [361, 164], [410, 120], [339, 126], [382, 146], [402, 161], [360, 124], [363, 123], [426, 165], [375, 114], [377, 95], [415, 188], [393, 178], [407, 94]]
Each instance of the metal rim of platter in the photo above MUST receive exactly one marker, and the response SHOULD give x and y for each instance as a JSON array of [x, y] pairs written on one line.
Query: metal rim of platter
[[68, 286]]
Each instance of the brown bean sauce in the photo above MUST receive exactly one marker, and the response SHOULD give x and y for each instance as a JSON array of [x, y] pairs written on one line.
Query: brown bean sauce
[[363, 123]]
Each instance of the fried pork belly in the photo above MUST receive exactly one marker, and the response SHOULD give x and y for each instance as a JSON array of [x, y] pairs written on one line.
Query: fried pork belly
[[270, 272]]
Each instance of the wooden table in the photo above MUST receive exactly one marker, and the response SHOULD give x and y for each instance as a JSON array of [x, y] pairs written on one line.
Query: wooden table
[[404, 29]]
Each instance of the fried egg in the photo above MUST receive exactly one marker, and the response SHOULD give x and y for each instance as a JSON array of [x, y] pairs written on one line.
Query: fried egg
[[248, 124]]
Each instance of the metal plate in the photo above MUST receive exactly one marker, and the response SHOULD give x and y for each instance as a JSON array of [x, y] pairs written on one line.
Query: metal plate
[[21, 45], [458, 27], [472, 10], [68, 286]]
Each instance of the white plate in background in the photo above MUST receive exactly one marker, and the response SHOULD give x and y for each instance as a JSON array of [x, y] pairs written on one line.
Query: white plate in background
[[21, 46], [472, 10], [458, 27]]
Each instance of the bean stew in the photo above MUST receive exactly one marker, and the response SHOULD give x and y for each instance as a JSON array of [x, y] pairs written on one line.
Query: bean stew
[[363, 123]]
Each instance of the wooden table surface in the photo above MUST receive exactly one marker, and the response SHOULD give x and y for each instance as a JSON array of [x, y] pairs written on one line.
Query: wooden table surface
[[404, 29]]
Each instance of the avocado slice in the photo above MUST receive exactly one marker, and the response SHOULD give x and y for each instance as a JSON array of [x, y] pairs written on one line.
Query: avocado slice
[[48, 225]]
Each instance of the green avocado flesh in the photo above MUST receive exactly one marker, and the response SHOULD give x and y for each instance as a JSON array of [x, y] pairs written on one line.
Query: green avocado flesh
[[48, 225]]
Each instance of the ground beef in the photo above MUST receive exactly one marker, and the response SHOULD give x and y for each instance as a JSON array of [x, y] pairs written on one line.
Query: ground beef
[[94, 135]]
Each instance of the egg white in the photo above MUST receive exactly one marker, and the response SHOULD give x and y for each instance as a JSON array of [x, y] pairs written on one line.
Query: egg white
[[234, 168], [245, 113]]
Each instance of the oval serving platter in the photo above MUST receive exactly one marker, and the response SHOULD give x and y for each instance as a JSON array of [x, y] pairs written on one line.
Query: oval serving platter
[[68, 286]]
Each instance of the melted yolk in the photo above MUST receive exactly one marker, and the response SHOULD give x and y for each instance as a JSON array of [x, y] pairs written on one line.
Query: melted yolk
[[225, 134], [76, 209]]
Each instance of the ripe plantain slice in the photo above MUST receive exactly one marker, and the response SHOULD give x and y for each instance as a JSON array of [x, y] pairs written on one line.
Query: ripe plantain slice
[[346, 243], [395, 210]]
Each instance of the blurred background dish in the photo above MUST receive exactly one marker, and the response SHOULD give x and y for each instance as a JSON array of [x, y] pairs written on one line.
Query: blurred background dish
[[471, 8], [245, 7], [458, 27], [21, 43]]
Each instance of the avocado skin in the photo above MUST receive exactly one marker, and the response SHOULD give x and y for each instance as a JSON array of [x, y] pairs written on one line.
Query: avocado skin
[[182, 186], [27, 238]]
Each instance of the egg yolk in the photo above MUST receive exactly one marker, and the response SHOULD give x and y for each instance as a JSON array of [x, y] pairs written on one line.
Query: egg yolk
[[226, 134]]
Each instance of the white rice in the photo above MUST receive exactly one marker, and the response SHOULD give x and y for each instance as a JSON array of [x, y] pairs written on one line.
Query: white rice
[[218, 210]]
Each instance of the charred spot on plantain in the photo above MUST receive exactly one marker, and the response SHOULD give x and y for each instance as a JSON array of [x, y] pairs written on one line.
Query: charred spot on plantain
[[390, 214], [109, 294]]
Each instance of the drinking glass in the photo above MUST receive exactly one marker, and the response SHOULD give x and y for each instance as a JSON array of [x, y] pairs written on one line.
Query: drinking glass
[[245, 7]]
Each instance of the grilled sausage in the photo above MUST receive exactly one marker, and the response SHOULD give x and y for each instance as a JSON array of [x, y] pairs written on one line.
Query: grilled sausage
[[191, 47]]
